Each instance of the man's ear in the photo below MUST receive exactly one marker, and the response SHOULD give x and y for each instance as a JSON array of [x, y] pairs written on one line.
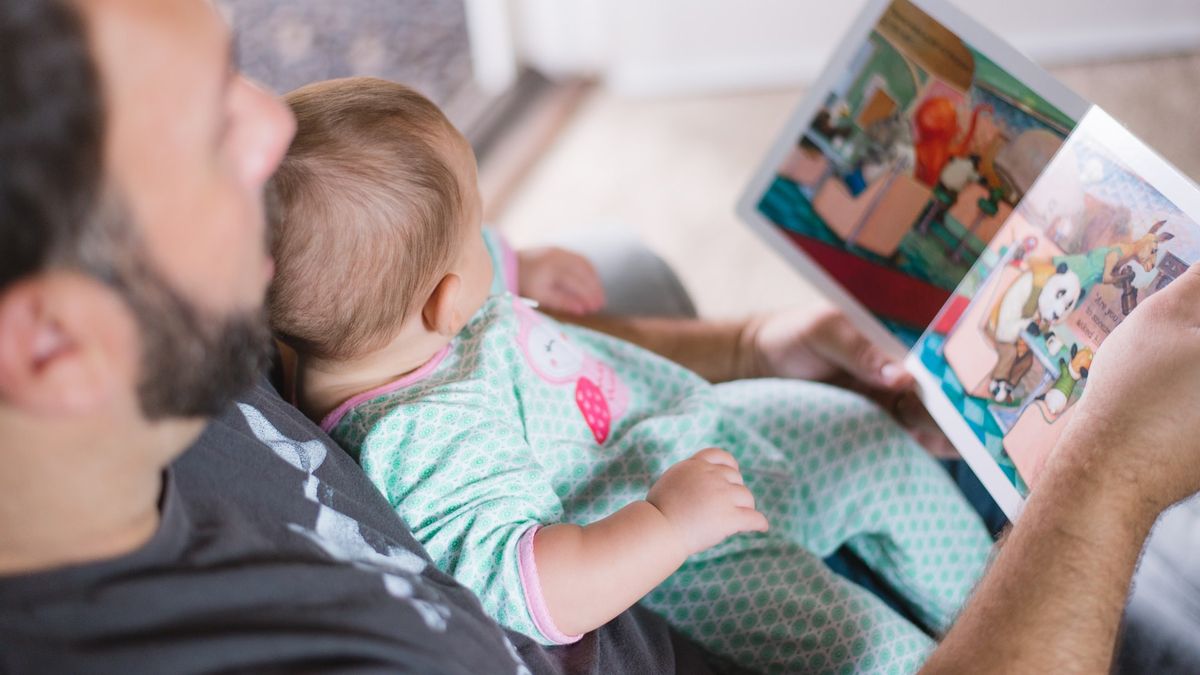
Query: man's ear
[[67, 346], [440, 313]]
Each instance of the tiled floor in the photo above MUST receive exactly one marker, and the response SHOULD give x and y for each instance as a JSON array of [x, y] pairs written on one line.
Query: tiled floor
[[672, 169]]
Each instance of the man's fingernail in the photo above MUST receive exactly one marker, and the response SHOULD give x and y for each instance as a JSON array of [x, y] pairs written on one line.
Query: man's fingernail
[[891, 372]]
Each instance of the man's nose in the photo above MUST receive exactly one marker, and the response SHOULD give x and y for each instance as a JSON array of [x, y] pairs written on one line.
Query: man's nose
[[271, 132]]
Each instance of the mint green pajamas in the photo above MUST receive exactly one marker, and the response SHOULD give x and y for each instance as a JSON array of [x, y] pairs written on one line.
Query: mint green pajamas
[[523, 422], [848, 475]]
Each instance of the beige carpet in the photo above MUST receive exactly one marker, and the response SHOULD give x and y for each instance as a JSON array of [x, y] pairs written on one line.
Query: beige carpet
[[671, 170]]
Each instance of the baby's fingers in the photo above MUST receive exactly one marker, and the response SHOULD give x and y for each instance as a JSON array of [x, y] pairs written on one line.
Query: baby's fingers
[[586, 283], [716, 456], [741, 497], [563, 300], [730, 474], [583, 286], [575, 301], [751, 520]]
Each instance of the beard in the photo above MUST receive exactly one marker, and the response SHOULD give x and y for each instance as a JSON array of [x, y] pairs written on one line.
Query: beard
[[193, 362]]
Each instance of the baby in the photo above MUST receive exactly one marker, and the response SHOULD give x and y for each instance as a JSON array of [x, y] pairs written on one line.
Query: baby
[[564, 475]]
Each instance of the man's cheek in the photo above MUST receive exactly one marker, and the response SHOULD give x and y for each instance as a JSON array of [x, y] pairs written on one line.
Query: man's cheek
[[245, 219]]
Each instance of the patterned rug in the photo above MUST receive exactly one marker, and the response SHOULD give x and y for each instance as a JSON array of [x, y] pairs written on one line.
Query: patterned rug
[[287, 43]]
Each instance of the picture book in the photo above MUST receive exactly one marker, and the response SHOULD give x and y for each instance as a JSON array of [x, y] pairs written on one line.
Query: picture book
[[968, 212]]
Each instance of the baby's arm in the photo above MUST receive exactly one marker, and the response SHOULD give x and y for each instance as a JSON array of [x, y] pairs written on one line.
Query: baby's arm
[[458, 468], [592, 573]]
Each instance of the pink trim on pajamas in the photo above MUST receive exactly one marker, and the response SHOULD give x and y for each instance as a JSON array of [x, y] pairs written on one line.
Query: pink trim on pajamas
[[510, 265], [533, 591], [412, 378]]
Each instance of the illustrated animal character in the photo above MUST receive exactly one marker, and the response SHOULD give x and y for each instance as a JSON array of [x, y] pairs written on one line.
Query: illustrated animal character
[[936, 121], [1015, 362], [889, 144], [825, 124], [1069, 377], [1040, 297], [600, 395], [1108, 264], [1114, 264], [958, 173], [1143, 250]]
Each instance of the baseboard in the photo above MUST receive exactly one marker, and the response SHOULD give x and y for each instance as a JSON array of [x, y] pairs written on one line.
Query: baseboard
[[801, 67]]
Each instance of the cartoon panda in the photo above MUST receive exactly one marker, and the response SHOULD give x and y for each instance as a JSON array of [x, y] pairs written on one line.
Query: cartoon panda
[[1042, 296]]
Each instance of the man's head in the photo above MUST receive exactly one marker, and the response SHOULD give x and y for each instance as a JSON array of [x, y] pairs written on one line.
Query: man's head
[[377, 216], [132, 235]]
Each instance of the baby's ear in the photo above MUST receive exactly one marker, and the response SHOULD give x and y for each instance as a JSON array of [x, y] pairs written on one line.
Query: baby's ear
[[440, 313]]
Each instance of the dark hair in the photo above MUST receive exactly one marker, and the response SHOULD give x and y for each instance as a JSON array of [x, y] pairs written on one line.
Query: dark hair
[[55, 209], [51, 135]]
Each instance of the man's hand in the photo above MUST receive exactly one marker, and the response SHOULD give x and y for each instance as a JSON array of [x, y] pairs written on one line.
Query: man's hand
[[1139, 418], [706, 500], [559, 280], [1131, 450], [825, 346]]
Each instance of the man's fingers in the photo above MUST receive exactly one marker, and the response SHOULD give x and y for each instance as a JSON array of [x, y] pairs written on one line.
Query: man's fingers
[[858, 356], [935, 443], [877, 368], [1182, 295], [1193, 274], [911, 414]]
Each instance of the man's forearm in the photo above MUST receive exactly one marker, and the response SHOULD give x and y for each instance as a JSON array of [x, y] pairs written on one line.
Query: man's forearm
[[1052, 600], [719, 351]]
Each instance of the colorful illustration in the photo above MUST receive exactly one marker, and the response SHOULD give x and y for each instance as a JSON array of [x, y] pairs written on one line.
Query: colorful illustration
[[918, 155], [601, 396], [1013, 346]]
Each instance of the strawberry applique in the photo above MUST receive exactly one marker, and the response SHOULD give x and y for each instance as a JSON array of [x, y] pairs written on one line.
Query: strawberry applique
[[594, 407]]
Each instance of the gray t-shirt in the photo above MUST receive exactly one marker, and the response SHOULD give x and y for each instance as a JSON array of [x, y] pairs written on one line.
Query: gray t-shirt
[[276, 554]]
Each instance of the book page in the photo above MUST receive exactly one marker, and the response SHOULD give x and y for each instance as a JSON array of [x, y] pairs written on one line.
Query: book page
[[1106, 225], [904, 160]]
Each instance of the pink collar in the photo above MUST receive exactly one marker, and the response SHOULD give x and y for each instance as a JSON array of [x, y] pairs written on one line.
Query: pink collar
[[331, 420]]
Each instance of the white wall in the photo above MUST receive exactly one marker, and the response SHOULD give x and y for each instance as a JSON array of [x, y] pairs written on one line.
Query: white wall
[[655, 47]]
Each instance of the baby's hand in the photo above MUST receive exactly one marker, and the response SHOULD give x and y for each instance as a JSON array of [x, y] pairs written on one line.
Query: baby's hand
[[706, 500], [560, 280]]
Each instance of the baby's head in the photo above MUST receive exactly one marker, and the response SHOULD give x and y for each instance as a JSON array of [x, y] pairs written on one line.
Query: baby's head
[[376, 233]]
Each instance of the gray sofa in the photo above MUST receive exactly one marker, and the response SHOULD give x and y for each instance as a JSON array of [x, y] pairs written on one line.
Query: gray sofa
[[1162, 620]]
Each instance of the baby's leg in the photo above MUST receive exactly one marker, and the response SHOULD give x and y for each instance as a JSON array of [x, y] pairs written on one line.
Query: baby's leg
[[774, 607], [858, 478]]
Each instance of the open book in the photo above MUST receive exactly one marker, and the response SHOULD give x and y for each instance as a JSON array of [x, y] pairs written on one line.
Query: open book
[[972, 215]]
